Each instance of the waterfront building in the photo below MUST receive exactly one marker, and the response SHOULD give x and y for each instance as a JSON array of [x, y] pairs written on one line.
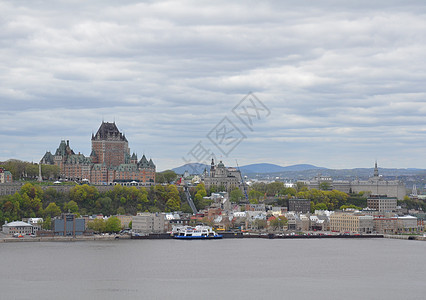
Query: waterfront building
[[385, 224], [5, 176], [37, 223], [68, 225], [221, 176], [293, 221], [304, 222], [146, 223], [407, 224], [382, 203], [125, 220], [299, 205], [110, 161], [18, 227], [351, 222]]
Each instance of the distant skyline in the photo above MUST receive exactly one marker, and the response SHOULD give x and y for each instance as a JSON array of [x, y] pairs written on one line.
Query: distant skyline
[[338, 84]]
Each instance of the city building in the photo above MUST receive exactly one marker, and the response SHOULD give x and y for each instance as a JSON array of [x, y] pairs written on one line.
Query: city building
[[382, 203], [125, 220], [17, 227], [37, 223], [351, 222], [5, 176], [299, 205], [407, 224], [146, 223], [110, 161], [374, 185], [68, 225], [386, 224], [221, 176]]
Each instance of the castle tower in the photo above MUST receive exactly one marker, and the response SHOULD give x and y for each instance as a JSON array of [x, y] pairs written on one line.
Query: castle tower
[[109, 145]]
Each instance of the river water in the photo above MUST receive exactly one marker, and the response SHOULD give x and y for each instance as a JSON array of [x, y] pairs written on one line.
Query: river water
[[215, 269]]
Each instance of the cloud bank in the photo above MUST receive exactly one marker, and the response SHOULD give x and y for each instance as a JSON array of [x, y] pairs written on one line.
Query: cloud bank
[[345, 82]]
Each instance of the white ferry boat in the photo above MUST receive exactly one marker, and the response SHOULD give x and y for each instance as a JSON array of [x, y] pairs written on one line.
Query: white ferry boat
[[195, 233]]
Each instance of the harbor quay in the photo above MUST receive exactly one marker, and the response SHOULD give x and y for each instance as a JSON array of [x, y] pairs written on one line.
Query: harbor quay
[[63, 238], [240, 235]]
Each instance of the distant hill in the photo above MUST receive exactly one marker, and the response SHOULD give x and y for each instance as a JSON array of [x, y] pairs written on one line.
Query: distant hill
[[192, 168], [263, 168], [271, 168]]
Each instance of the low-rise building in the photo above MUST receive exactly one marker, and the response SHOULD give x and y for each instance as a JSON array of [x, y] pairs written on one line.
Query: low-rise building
[[382, 203], [299, 205], [5, 176], [293, 221], [146, 223], [18, 227], [125, 220], [68, 225], [385, 224], [407, 224], [37, 224], [351, 222]]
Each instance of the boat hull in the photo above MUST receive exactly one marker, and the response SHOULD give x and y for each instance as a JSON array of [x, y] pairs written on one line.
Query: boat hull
[[182, 237]]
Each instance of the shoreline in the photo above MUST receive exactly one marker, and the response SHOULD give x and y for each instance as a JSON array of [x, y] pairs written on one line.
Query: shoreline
[[64, 238], [226, 235]]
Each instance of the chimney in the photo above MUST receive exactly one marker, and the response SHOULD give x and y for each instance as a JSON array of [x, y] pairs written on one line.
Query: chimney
[[68, 143]]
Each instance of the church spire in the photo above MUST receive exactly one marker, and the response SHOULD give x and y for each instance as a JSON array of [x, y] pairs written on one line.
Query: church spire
[[376, 170]]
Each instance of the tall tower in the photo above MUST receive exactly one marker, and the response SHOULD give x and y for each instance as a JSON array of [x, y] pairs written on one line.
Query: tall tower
[[39, 172], [212, 169], [109, 145], [376, 170]]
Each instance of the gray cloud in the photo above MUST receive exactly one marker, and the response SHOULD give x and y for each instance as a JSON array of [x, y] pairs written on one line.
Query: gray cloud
[[344, 81]]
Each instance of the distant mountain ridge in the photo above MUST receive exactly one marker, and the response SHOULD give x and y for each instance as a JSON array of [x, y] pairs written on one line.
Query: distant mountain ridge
[[272, 168], [262, 168], [192, 168]]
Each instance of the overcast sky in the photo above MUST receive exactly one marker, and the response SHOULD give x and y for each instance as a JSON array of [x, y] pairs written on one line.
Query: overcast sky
[[335, 84]]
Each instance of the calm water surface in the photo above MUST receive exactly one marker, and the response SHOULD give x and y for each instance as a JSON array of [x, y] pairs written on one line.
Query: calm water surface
[[215, 269]]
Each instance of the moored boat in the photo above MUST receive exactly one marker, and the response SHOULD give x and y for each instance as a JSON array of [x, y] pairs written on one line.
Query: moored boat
[[199, 232]]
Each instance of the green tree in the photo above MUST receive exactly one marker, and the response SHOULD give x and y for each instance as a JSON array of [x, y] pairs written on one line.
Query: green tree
[[320, 206], [236, 195], [97, 225], [167, 176], [52, 210], [324, 186], [121, 211], [47, 223], [343, 207], [32, 191], [71, 207], [260, 187], [301, 187], [260, 224], [278, 222], [173, 198], [213, 189], [255, 196], [113, 224], [105, 205], [273, 188], [199, 195]]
